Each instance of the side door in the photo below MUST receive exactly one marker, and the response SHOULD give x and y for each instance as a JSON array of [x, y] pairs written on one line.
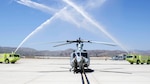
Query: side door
[[1, 57]]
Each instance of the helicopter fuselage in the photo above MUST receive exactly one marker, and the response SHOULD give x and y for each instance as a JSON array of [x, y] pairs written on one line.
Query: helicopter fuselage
[[79, 60]]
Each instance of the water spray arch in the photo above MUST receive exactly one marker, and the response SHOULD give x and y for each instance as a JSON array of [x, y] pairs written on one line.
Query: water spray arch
[[81, 12]]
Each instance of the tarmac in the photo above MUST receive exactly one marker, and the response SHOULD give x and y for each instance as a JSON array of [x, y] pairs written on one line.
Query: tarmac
[[56, 71]]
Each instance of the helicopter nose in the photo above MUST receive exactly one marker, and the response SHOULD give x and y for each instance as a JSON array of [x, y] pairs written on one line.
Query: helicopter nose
[[78, 59]]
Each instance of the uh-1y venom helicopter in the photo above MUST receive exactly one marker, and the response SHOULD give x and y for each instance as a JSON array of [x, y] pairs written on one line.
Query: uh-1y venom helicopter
[[79, 58]]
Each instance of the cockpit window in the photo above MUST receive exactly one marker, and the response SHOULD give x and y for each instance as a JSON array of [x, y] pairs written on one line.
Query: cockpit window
[[84, 55]]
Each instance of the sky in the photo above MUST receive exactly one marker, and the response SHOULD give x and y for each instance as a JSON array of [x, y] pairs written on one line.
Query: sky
[[123, 22]]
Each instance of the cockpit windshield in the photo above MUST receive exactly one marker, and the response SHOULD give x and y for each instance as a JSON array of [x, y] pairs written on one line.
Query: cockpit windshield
[[82, 54]]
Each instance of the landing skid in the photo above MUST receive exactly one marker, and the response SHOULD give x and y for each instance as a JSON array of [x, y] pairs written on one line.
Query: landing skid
[[75, 70]]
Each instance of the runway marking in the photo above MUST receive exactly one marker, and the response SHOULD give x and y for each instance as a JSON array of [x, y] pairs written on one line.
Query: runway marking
[[84, 78]]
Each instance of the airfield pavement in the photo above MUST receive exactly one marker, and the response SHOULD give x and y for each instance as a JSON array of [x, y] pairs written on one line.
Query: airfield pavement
[[56, 71]]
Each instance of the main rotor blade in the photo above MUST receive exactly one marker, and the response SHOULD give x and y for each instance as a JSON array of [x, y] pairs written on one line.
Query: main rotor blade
[[45, 43], [105, 43], [86, 41], [62, 44]]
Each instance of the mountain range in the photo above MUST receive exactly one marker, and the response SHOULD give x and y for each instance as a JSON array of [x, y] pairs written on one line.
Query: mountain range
[[95, 53]]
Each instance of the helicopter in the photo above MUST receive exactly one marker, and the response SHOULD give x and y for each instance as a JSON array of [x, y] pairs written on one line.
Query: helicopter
[[79, 58]]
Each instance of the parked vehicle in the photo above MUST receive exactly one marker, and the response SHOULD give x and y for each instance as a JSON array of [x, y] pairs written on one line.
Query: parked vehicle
[[138, 59], [9, 58]]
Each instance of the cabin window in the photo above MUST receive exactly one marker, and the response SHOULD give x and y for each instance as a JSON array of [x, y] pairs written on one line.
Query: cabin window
[[129, 56], [135, 57], [74, 55]]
